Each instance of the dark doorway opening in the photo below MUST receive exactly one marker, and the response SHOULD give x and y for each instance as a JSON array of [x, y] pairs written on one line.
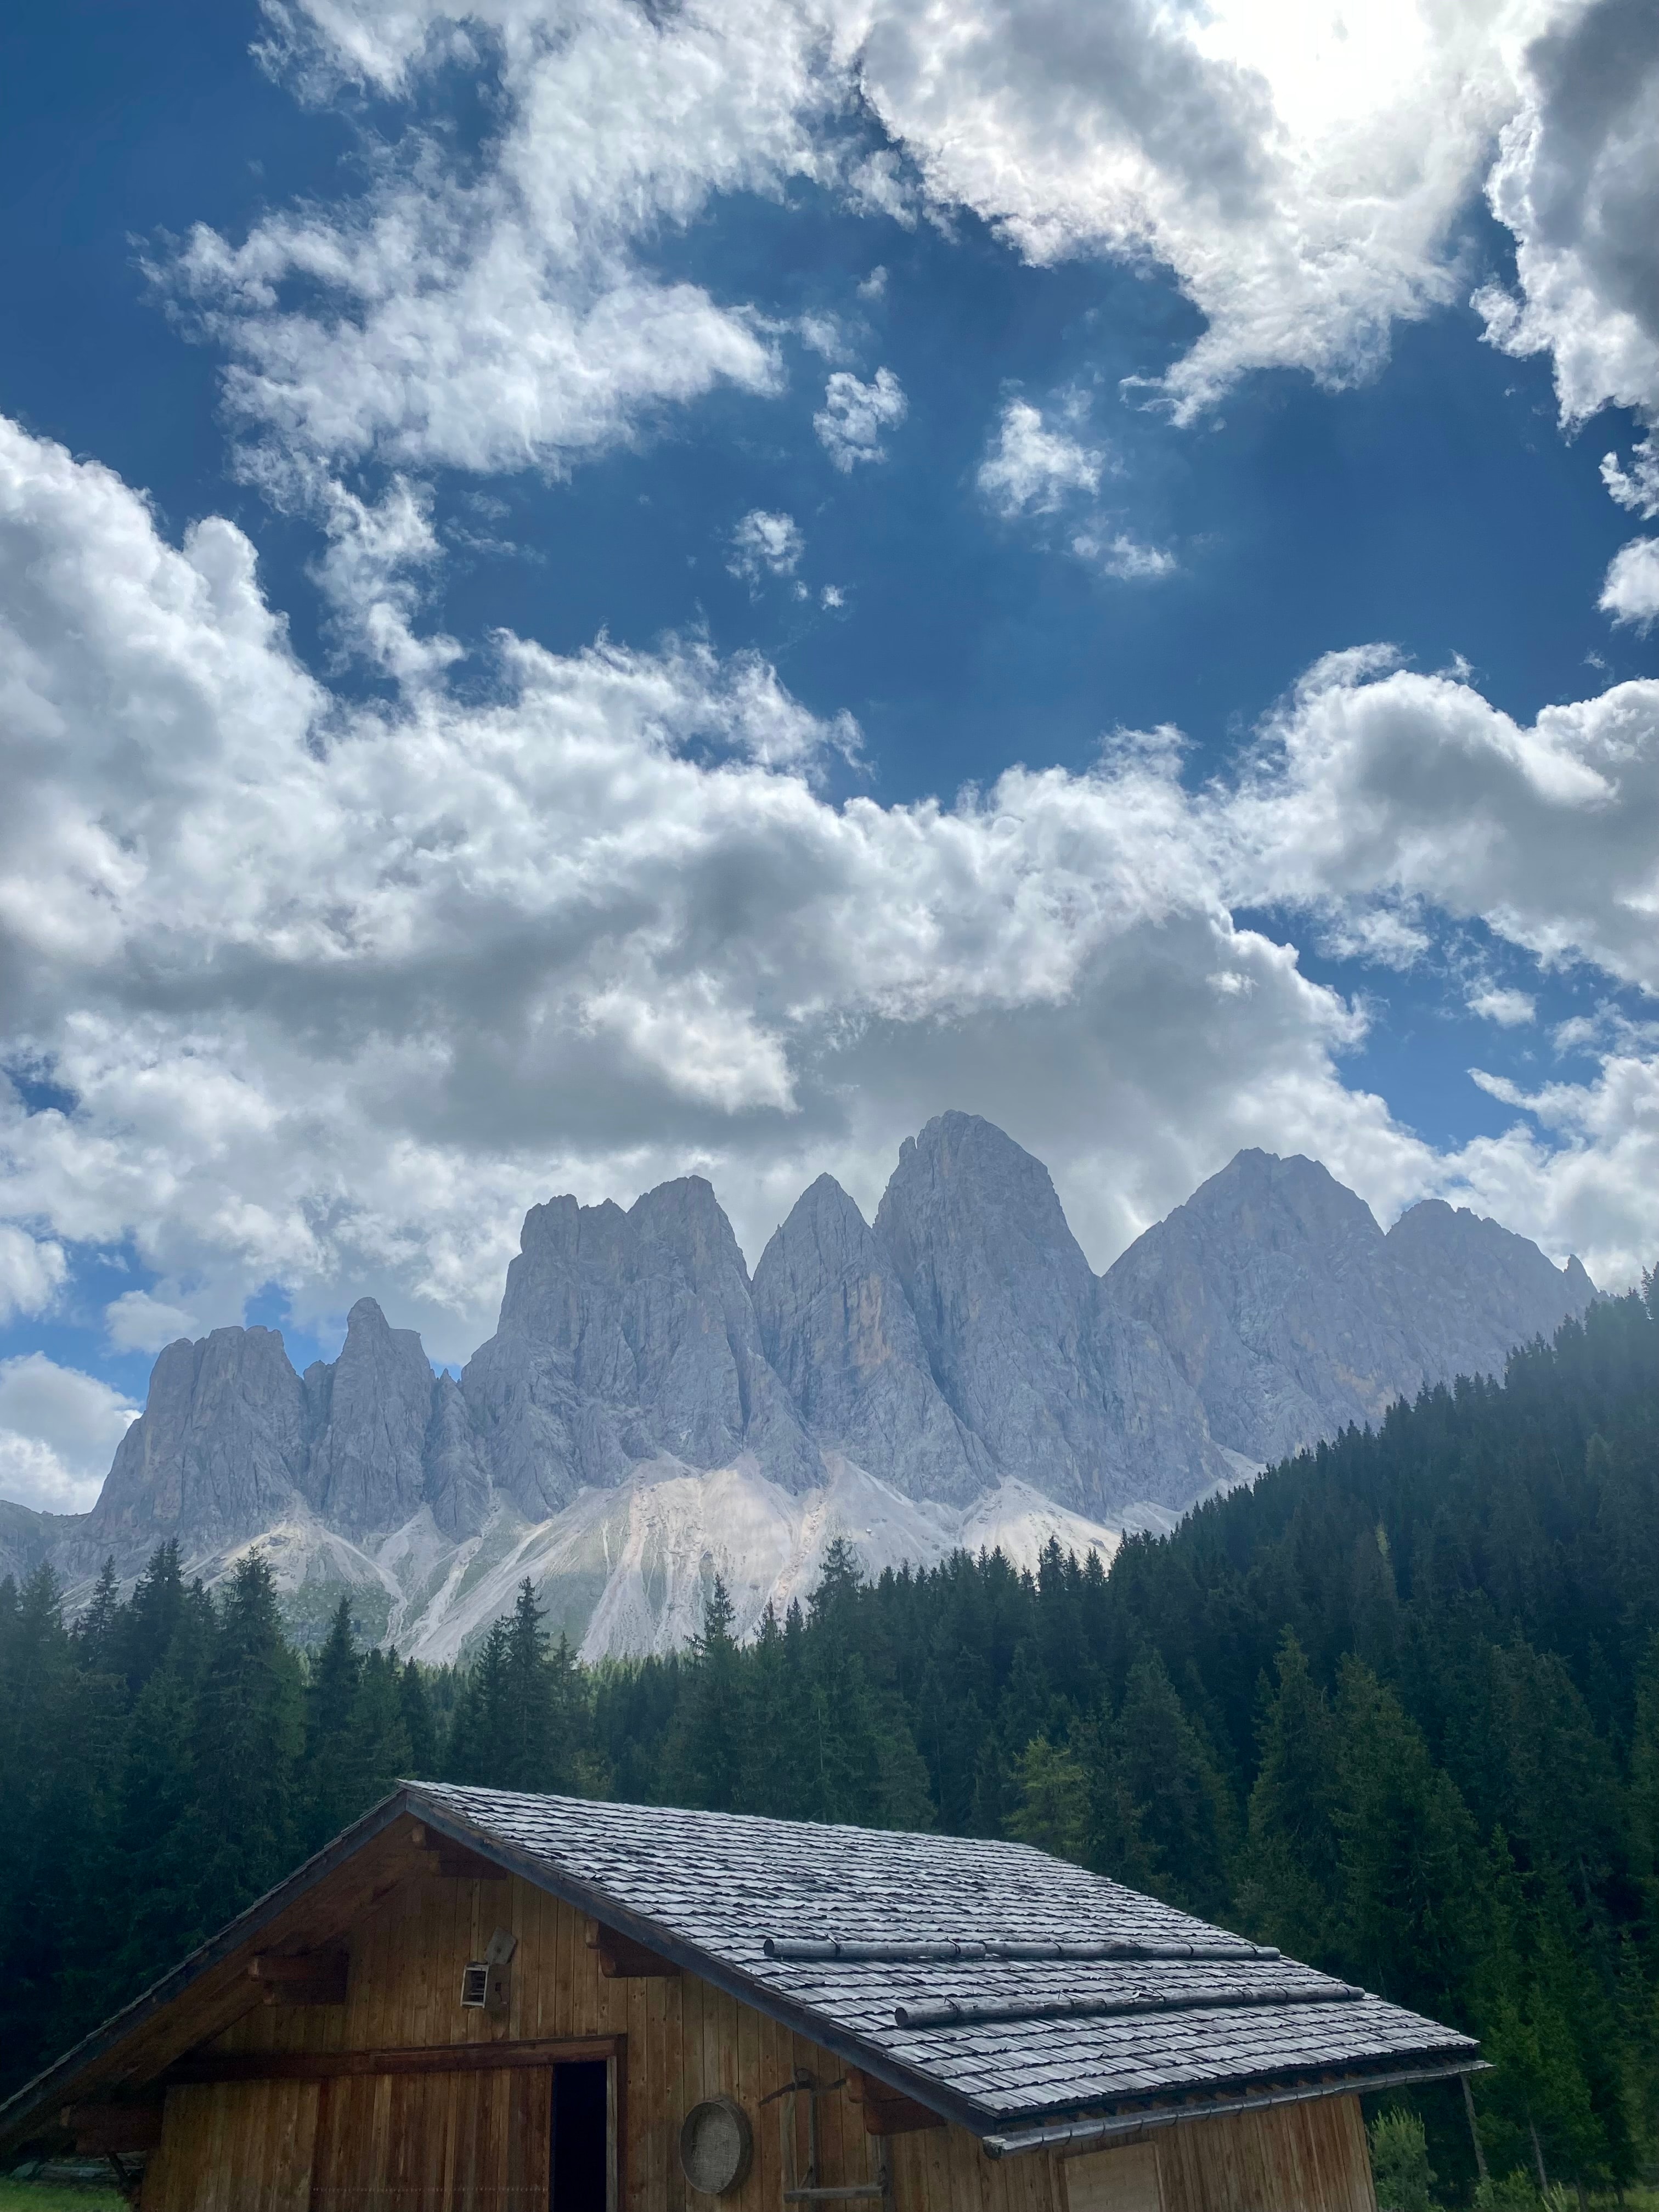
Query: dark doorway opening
[[580, 2136]]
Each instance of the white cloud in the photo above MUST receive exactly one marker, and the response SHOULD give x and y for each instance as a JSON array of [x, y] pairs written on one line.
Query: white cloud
[[1631, 591], [339, 989], [32, 1272], [499, 315], [1299, 170], [139, 1322], [1124, 556], [854, 416], [1034, 469], [1637, 487], [1378, 786], [1301, 174], [763, 543], [58, 1431], [1576, 181], [1509, 1008]]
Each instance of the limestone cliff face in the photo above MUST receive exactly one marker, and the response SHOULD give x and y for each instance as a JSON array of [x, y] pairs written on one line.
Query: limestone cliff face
[[369, 1413], [1291, 1314], [957, 1351], [1065, 1391], [219, 1452], [623, 1338], [838, 1330]]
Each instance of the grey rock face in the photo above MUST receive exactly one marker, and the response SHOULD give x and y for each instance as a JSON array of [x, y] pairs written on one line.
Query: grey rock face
[[29, 1539], [1291, 1314], [1070, 1395], [1473, 1291], [456, 1475], [961, 1339], [836, 1328], [370, 1412], [624, 1336], [219, 1452]]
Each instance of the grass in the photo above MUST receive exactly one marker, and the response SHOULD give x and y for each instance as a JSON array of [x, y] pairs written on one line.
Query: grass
[[59, 2196]]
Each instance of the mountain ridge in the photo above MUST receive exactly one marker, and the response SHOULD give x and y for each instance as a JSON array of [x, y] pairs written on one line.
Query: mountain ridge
[[952, 1371]]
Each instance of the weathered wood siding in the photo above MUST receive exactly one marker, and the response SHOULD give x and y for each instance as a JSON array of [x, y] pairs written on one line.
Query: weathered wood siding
[[1309, 2157], [427, 2141]]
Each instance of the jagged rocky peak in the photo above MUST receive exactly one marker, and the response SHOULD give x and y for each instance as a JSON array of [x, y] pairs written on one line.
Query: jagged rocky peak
[[836, 1328], [219, 1451], [1080, 1402], [1268, 1289], [457, 1475], [1477, 1288], [624, 1338], [1291, 1314], [370, 1411]]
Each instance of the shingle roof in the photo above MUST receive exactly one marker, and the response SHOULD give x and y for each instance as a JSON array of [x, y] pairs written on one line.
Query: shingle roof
[[922, 1957]]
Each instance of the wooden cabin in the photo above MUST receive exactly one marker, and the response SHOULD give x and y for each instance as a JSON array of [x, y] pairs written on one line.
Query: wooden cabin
[[476, 2000]]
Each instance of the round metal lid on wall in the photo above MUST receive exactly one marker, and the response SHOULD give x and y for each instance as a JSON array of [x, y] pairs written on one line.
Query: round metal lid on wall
[[716, 2144]]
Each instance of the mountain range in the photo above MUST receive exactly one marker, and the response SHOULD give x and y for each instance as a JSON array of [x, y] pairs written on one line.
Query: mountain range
[[647, 1414]]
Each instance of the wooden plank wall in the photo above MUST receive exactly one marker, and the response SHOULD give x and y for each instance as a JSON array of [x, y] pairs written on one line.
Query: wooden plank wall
[[684, 2041], [1310, 2157]]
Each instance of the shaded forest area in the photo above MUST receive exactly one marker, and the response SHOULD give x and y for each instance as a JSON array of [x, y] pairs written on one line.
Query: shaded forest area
[[1395, 1708]]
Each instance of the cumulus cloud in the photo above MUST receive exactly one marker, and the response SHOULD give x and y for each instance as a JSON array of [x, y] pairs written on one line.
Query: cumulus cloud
[[499, 314], [140, 1321], [1301, 175], [1631, 591], [336, 989], [766, 544], [1637, 487], [1032, 468], [32, 1272], [854, 416], [1576, 181], [1495, 1002], [1299, 171], [1037, 466], [1123, 556], [58, 1429]]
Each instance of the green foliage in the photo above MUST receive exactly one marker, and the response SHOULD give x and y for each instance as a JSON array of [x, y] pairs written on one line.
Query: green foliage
[[1395, 1708], [1399, 2163]]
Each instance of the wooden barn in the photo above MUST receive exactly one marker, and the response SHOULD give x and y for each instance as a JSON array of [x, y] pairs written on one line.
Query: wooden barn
[[474, 1999]]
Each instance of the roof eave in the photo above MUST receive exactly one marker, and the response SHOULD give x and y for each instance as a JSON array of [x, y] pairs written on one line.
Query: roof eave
[[20, 2111], [1084, 2130]]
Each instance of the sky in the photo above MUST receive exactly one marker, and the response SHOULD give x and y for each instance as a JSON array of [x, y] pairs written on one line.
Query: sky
[[593, 590]]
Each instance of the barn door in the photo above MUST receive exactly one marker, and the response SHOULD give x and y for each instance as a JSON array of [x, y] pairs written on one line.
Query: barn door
[[473, 2141], [235, 2147]]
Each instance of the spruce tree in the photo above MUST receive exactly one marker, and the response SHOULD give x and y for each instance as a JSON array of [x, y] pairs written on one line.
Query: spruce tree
[[415, 1703], [1289, 1886], [249, 1732], [329, 1790]]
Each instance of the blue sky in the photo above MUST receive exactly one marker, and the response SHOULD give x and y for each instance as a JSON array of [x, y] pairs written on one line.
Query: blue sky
[[587, 593]]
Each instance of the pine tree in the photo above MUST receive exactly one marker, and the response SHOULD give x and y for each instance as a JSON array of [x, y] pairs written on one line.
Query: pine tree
[[1172, 1778], [415, 1703], [329, 1786], [526, 1752], [94, 1632], [377, 1745], [709, 1760], [1288, 1887], [1407, 1853], [1053, 1807], [249, 1732]]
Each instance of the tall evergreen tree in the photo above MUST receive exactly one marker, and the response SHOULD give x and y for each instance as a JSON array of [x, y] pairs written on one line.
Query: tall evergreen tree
[[249, 1732], [329, 1786]]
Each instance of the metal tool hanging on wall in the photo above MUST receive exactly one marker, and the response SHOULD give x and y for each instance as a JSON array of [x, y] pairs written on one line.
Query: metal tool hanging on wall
[[807, 2189]]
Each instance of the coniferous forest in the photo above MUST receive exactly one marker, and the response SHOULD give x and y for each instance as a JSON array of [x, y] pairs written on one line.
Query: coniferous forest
[[1395, 1708]]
